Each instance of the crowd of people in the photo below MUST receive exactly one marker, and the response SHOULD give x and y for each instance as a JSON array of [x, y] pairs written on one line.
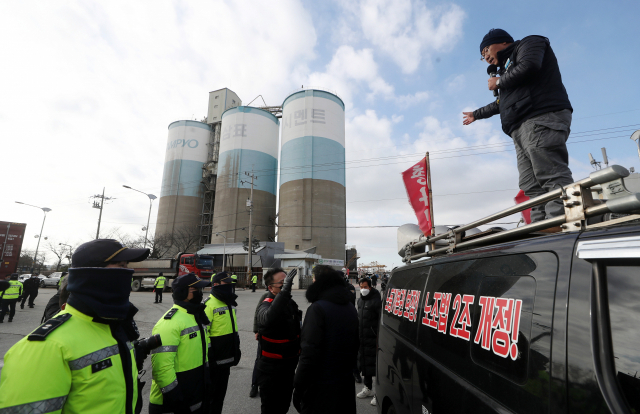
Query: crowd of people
[[90, 354]]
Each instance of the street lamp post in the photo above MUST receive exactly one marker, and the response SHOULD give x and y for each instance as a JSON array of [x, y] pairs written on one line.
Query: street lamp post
[[69, 246], [45, 210], [151, 198], [224, 250]]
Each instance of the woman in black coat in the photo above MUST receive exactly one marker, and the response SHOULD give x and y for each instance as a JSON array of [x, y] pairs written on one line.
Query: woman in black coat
[[329, 342], [369, 312]]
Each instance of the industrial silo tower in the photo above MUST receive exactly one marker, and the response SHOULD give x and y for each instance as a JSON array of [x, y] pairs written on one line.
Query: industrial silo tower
[[312, 174], [248, 146], [181, 194]]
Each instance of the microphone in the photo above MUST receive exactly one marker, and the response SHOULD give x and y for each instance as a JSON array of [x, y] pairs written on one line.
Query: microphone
[[492, 70]]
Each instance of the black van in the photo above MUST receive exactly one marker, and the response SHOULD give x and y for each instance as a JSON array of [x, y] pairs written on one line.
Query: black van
[[549, 324]]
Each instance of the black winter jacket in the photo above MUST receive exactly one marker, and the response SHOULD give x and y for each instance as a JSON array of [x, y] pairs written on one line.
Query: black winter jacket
[[531, 85], [329, 338], [279, 321], [32, 284], [369, 312]]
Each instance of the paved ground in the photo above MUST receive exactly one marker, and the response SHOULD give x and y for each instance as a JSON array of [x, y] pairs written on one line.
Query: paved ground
[[237, 400]]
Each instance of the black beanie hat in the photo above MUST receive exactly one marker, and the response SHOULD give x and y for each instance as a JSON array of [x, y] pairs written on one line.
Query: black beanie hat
[[495, 36]]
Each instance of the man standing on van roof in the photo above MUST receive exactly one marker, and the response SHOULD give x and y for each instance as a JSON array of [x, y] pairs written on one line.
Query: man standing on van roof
[[534, 110]]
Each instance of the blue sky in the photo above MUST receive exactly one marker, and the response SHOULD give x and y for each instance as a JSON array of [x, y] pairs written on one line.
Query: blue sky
[[90, 89]]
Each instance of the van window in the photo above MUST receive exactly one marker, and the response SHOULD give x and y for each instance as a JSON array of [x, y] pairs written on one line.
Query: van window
[[402, 301], [478, 312], [503, 325], [624, 311]]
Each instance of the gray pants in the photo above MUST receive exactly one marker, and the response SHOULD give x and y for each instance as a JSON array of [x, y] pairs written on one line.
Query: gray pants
[[543, 159]]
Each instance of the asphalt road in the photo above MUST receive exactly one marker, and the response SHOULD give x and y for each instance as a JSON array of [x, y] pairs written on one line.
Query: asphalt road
[[237, 399]]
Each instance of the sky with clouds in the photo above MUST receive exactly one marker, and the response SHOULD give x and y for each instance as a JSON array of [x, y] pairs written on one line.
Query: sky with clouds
[[89, 89]]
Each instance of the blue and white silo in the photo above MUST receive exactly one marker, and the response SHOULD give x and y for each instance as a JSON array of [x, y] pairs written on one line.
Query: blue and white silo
[[312, 174], [248, 144]]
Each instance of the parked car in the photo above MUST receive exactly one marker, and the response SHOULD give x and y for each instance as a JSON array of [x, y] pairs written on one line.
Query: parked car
[[51, 280]]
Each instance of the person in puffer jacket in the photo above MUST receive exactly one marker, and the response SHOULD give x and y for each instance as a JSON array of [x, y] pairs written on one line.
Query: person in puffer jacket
[[369, 312], [329, 342], [534, 111]]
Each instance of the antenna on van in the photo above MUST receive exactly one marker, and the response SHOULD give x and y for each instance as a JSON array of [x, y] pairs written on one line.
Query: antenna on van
[[604, 156]]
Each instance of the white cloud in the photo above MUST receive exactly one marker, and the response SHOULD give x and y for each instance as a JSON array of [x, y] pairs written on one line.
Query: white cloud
[[90, 89], [407, 30], [349, 72], [376, 194]]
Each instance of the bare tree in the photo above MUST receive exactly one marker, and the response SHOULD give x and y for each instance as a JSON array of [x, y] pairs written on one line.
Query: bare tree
[[185, 239], [61, 251]]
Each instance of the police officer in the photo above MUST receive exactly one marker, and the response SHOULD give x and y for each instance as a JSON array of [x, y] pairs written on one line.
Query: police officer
[[234, 280], [223, 334], [83, 357], [180, 366], [279, 322], [159, 286], [10, 297], [254, 282], [31, 287]]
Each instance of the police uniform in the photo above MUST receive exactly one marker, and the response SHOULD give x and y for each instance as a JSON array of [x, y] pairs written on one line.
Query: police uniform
[[180, 365], [30, 287], [159, 287], [225, 341], [254, 282], [82, 360], [70, 364], [234, 280], [10, 297]]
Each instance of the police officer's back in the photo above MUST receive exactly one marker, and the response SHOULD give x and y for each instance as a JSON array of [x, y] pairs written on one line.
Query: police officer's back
[[82, 360], [180, 372], [279, 328]]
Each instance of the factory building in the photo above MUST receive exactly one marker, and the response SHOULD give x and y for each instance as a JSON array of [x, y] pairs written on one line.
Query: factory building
[[312, 201], [248, 158]]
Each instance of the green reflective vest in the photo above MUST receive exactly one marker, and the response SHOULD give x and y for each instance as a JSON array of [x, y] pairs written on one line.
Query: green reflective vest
[[14, 290], [75, 369], [234, 278], [222, 331], [160, 281], [254, 279], [182, 358], [60, 280]]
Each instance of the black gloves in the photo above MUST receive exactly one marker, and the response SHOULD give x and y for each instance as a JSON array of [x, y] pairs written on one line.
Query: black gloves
[[288, 281]]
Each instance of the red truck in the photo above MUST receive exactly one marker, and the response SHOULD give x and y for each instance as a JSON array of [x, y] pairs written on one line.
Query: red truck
[[146, 271], [11, 237]]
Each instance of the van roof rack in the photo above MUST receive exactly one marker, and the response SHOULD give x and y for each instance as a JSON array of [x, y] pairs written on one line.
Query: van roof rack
[[578, 206]]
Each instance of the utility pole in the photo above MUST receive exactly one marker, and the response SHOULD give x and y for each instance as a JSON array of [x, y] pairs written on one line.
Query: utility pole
[[250, 205], [100, 206]]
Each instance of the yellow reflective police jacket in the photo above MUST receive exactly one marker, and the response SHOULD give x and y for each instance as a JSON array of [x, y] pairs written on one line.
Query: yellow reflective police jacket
[[181, 361], [70, 364], [223, 332], [160, 281], [254, 279], [13, 292]]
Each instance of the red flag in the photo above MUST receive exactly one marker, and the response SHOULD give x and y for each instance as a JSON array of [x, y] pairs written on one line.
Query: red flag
[[526, 214], [415, 181]]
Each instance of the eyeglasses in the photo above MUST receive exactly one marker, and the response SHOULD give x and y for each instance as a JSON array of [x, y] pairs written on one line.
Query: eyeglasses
[[484, 52]]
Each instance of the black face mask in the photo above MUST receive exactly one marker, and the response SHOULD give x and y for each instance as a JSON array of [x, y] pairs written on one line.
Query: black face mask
[[197, 296]]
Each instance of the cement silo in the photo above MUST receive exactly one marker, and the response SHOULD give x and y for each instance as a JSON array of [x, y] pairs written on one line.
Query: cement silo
[[312, 174], [248, 144], [181, 194]]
